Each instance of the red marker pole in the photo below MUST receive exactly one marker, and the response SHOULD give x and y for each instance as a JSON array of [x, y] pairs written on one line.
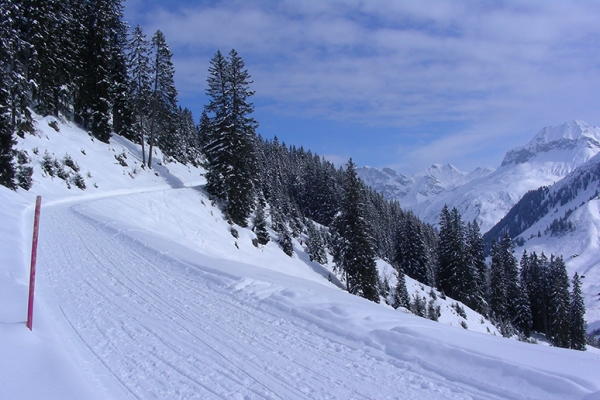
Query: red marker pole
[[36, 225]]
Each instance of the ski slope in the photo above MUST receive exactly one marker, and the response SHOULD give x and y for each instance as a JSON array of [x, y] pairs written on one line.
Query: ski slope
[[142, 293]]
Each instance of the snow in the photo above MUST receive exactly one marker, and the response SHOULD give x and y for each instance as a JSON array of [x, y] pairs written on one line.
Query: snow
[[142, 292]]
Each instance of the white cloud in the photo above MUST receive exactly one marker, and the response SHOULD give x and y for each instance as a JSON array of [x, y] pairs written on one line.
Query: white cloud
[[337, 160], [402, 64]]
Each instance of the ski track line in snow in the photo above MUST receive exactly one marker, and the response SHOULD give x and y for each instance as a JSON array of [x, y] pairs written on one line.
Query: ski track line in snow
[[104, 262], [152, 302]]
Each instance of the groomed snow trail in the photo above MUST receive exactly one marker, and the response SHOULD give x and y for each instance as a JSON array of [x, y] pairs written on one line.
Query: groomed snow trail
[[164, 329], [153, 320]]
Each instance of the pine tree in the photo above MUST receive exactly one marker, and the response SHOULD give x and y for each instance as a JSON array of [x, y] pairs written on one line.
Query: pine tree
[[577, 333], [260, 226], [140, 90], [505, 291], [401, 297], [450, 258], [511, 274], [433, 311], [534, 282], [7, 170], [188, 149], [418, 305], [315, 245], [456, 275], [411, 255], [230, 137], [17, 56], [55, 47], [285, 241], [322, 201], [523, 319], [476, 257], [498, 284], [101, 64], [164, 99], [123, 113], [558, 303], [356, 256], [7, 32]]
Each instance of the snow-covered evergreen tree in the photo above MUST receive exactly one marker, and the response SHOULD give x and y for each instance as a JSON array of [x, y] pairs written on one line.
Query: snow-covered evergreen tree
[[50, 32], [504, 291], [411, 254], [523, 319], [475, 249], [511, 274], [577, 333], [140, 90], [260, 226], [355, 255], [558, 303], [17, 57], [230, 137], [7, 170], [188, 149], [315, 245], [400, 296], [534, 282], [285, 241], [498, 284], [101, 60], [456, 275], [163, 122]]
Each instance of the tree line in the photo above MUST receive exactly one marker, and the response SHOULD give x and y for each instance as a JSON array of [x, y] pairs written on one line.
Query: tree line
[[533, 295], [75, 59]]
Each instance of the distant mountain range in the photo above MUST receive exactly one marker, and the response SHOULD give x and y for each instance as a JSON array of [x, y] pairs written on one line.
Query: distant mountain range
[[486, 195]]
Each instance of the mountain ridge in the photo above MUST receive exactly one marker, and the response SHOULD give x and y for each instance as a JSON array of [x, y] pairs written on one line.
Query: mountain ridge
[[486, 195]]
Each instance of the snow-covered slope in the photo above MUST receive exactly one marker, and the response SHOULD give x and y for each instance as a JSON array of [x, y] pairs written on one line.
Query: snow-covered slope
[[564, 219], [142, 292], [487, 197]]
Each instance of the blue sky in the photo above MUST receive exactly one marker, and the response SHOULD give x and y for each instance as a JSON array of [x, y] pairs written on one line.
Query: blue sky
[[402, 84]]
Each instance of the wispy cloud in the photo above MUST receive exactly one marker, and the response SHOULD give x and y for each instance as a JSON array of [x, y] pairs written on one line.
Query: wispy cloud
[[402, 64]]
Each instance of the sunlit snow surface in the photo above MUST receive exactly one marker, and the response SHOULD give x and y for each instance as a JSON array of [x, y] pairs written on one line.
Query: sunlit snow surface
[[142, 293]]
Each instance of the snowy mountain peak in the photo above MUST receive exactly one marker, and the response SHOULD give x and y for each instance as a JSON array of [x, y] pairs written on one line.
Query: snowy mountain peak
[[421, 186], [442, 172], [576, 140], [573, 130], [480, 172]]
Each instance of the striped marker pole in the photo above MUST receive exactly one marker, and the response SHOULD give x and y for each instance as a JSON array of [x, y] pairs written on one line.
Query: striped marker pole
[[34, 242]]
